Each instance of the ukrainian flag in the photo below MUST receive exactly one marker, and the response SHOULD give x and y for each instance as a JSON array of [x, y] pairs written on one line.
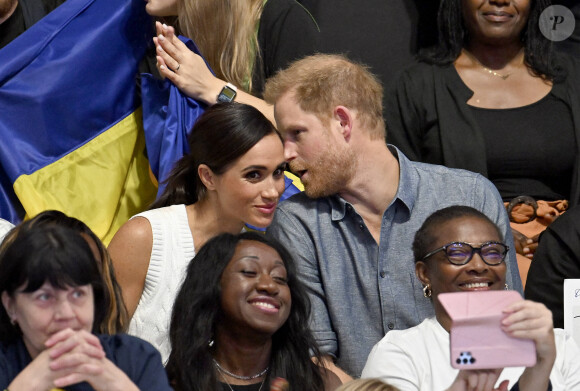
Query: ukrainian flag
[[71, 134]]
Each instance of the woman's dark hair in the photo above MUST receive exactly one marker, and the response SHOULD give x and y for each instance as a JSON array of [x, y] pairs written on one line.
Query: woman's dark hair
[[539, 55], [116, 319], [57, 255], [427, 235], [223, 134], [197, 311]]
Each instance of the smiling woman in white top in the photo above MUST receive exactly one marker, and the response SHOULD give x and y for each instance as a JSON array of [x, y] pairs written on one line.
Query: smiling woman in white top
[[233, 174], [459, 249]]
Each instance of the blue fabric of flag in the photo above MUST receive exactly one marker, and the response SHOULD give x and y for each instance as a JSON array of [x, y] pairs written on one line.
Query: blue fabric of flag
[[168, 116], [64, 81]]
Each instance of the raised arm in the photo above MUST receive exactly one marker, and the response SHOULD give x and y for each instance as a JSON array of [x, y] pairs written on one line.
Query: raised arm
[[191, 75], [130, 252]]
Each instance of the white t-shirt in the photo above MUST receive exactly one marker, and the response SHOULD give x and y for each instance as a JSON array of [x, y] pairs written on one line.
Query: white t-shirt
[[419, 359]]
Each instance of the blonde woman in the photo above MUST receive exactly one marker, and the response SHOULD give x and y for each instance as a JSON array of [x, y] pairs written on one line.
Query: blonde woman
[[244, 42]]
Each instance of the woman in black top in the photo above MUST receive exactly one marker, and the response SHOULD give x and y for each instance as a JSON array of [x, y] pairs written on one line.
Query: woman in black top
[[493, 97], [240, 321]]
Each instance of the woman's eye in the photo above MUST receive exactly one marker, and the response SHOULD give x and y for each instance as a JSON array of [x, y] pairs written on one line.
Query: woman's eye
[[253, 175], [281, 280], [78, 293], [278, 172], [248, 273], [43, 297]]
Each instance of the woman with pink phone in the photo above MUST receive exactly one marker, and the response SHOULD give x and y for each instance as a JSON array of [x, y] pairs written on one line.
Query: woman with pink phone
[[458, 249]]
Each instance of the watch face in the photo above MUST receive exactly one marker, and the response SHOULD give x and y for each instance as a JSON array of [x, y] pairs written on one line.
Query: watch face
[[227, 94]]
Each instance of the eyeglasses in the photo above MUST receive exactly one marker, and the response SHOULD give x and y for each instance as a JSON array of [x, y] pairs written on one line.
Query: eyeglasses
[[460, 253]]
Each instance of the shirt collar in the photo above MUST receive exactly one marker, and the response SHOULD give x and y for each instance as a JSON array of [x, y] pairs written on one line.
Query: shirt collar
[[406, 191], [408, 180]]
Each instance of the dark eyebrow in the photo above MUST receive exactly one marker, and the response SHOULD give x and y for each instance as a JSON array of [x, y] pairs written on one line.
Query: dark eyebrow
[[251, 168], [281, 165], [247, 256]]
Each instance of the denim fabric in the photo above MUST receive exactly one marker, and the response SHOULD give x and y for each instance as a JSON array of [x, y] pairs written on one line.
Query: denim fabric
[[360, 289]]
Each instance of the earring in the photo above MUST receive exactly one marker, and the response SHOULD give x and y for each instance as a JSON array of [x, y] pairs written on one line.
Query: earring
[[210, 343], [507, 288], [427, 291]]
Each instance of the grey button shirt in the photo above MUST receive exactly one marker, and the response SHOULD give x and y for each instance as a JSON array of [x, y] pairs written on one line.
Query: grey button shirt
[[360, 290]]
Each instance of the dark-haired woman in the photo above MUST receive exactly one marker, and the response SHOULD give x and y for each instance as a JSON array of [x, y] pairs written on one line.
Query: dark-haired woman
[[494, 98], [52, 297], [459, 249], [233, 175], [115, 319], [240, 320]]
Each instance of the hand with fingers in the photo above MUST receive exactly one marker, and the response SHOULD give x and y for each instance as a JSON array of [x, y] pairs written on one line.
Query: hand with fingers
[[184, 68], [79, 356], [523, 245], [531, 320], [478, 380], [72, 357]]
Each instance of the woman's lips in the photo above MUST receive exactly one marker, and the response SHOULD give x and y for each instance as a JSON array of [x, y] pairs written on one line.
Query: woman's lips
[[475, 285], [267, 208], [265, 304], [497, 16]]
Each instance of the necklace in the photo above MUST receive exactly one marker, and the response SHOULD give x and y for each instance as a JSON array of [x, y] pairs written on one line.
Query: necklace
[[490, 71], [239, 377], [230, 386]]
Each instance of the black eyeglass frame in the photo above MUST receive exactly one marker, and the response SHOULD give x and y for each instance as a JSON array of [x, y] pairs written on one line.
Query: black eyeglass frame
[[473, 251]]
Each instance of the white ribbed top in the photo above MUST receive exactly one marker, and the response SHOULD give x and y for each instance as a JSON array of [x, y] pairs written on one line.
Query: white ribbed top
[[172, 250]]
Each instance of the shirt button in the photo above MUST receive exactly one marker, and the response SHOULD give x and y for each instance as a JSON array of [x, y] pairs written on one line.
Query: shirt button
[[383, 274], [391, 326], [361, 227]]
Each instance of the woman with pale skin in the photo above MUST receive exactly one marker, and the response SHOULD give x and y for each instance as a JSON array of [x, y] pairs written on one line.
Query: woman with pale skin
[[52, 296], [233, 175], [244, 42], [458, 249]]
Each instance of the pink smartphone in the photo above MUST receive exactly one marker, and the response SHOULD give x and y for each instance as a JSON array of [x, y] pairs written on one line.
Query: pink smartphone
[[476, 338]]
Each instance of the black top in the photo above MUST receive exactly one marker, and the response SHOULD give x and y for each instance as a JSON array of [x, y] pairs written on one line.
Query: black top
[[27, 13], [250, 387], [287, 32], [138, 359], [523, 156], [556, 258], [428, 118]]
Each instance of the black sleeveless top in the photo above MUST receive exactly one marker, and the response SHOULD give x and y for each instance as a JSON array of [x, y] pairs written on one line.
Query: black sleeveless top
[[249, 387], [530, 149]]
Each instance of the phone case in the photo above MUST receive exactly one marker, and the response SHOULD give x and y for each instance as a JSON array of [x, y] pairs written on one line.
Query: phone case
[[476, 338]]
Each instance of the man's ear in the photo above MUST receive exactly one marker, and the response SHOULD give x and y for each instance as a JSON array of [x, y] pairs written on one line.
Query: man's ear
[[207, 176], [422, 273], [345, 118]]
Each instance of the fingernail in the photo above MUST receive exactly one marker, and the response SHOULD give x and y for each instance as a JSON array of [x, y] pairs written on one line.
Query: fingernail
[[162, 67], [161, 37], [164, 26]]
